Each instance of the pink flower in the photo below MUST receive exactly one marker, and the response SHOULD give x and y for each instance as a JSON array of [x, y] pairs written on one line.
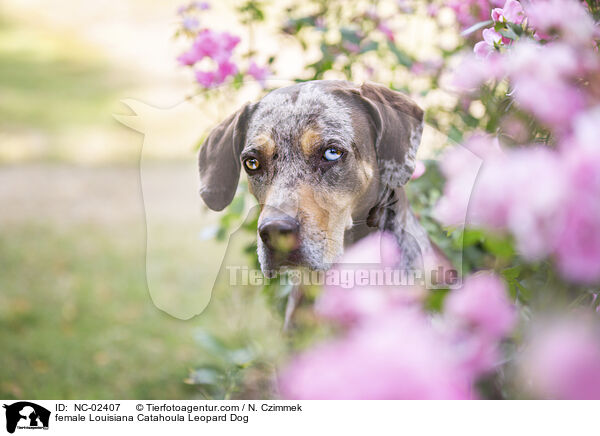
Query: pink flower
[[512, 12], [404, 6], [206, 78], [225, 69], [360, 303], [578, 244], [587, 129], [351, 47], [419, 170], [320, 23], [372, 14], [258, 73], [384, 28], [188, 58], [395, 356], [550, 62], [417, 68], [190, 23], [362, 287], [460, 165], [469, 12], [543, 77], [209, 43], [377, 249], [553, 102], [505, 197], [491, 38], [568, 18], [432, 10], [216, 45], [482, 304], [563, 361], [210, 79], [499, 194], [474, 70], [229, 41], [193, 5], [497, 14], [482, 49]]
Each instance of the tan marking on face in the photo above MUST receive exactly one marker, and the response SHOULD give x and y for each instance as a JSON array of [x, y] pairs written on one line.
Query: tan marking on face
[[368, 172], [261, 194], [309, 141], [266, 144], [330, 212], [365, 175]]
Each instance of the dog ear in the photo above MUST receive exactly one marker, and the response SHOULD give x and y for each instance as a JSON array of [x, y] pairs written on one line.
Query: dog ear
[[219, 159], [398, 123]]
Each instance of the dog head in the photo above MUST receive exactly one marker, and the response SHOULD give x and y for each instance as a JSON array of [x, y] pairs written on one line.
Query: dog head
[[317, 155]]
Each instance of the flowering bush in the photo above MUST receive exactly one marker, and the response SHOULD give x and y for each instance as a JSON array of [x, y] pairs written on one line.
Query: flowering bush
[[554, 83], [394, 350], [215, 47], [518, 201]]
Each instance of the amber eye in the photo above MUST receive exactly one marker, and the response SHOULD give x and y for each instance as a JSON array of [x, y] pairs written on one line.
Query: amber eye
[[252, 164]]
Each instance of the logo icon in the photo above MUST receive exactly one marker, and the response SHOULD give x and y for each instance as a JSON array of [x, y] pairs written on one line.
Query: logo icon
[[26, 415]]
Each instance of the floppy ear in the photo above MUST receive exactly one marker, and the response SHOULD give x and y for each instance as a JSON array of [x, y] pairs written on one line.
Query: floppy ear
[[219, 159], [398, 123]]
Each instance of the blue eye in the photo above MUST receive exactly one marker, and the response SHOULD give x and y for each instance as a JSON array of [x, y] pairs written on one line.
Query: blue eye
[[332, 154]]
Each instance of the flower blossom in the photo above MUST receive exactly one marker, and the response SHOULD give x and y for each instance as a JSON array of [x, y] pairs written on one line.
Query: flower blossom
[[511, 12], [482, 304], [384, 28], [348, 302], [460, 166], [567, 18], [562, 361], [217, 46], [393, 356], [577, 247], [491, 39], [259, 74], [470, 12]]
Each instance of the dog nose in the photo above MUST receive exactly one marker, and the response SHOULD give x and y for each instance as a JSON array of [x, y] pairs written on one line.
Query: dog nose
[[280, 234]]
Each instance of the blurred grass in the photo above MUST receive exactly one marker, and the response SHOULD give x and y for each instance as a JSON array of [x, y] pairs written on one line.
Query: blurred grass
[[76, 321], [76, 318], [52, 81]]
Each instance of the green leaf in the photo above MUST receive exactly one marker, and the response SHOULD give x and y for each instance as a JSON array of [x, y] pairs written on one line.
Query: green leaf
[[469, 119], [435, 300], [237, 205], [402, 57], [517, 28], [241, 356], [512, 273], [472, 237], [475, 27], [510, 276], [350, 35], [509, 33], [210, 342], [369, 46], [454, 134], [499, 246], [204, 376]]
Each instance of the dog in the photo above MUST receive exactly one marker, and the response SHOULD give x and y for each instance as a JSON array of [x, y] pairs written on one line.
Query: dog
[[327, 162]]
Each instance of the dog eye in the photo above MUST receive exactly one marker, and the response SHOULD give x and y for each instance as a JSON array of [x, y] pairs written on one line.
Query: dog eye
[[252, 164], [332, 154]]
